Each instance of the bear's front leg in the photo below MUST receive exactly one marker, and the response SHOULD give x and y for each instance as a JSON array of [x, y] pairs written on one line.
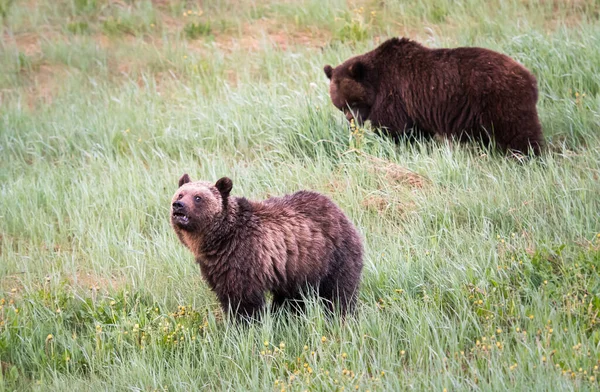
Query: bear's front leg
[[391, 120], [247, 308]]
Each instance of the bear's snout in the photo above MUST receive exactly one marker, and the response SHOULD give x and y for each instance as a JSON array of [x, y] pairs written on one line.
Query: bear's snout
[[178, 214]]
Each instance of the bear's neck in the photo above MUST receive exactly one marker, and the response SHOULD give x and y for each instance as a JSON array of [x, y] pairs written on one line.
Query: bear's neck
[[392, 56], [217, 242]]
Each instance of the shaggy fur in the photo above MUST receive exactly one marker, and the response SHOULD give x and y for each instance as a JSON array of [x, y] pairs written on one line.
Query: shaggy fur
[[463, 92], [282, 245]]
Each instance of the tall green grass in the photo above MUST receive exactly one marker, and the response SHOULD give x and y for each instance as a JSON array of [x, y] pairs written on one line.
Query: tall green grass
[[481, 272]]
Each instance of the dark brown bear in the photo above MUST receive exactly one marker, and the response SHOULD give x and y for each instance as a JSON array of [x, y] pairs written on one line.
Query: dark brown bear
[[282, 245], [463, 92]]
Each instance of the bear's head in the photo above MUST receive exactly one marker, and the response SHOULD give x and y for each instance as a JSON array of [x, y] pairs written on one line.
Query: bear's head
[[197, 205], [352, 87]]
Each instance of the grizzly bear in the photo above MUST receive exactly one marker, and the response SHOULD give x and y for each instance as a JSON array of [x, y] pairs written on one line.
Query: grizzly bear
[[284, 245], [466, 93]]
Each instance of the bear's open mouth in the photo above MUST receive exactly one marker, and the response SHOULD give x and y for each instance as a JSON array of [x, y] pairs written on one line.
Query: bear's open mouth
[[180, 218], [357, 113]]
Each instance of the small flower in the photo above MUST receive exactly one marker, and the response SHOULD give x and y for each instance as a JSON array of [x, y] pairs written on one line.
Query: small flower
[[323, 339], [49, 337], [531, 317], [282, 345], [499, 330], [266, 343]]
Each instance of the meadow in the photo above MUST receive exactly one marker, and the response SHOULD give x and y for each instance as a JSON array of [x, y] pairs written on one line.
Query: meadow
[[481, 271]]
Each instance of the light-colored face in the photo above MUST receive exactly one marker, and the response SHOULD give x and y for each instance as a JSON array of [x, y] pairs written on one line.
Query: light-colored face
[[195, 206]]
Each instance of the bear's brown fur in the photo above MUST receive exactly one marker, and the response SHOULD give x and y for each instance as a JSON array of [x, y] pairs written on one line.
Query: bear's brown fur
[[463, 92], [282, 245]]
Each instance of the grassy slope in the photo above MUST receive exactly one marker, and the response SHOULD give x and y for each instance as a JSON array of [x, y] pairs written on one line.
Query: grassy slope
[[481, 273]]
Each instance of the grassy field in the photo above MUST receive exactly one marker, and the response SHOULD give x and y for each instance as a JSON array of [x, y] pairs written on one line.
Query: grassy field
[[481, 273]]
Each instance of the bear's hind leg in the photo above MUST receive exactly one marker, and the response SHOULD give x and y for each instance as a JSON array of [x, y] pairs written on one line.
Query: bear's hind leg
[[340, 288], [338, 295]]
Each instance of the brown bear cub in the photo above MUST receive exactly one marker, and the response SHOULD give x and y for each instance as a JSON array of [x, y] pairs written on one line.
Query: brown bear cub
[[468, 93], [283, 245]]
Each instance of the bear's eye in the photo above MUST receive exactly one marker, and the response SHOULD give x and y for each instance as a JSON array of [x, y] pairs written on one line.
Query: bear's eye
[[180, 196], [197, 198]]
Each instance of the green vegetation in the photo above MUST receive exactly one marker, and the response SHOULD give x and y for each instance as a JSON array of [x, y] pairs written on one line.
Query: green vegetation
[[481, 272]]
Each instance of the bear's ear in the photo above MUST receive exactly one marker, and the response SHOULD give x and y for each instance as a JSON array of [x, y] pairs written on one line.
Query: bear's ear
[[328, 71], [357, 70], [224, 186], [184, 179]]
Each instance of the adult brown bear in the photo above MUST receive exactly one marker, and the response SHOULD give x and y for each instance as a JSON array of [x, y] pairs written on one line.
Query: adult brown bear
[[282, 245], [468, 93]]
